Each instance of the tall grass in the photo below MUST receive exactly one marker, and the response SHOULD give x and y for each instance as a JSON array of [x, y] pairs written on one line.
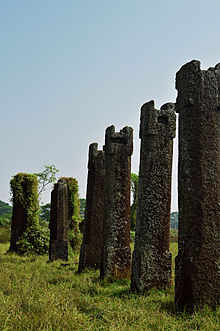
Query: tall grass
[[5, 234], [36, 295]]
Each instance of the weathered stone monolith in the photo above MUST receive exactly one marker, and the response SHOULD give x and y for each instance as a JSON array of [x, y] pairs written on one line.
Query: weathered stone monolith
[[25, 207], [198, 262], [18, 224], [151, 262], [91, 248], [59, 222], [73, 211], [116, 252]]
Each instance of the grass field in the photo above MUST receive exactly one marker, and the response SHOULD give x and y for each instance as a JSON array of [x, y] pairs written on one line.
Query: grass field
[[36, 295]]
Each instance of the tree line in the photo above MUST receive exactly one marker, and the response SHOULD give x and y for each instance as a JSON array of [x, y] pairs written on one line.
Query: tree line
[[48, 176]]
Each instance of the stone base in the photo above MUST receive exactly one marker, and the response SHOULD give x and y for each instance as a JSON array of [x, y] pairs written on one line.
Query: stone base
[[58, 250], [150, 271]]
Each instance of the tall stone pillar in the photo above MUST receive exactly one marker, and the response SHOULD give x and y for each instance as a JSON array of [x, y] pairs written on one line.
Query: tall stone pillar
[[198, 262], [90, 253], [116, 253], [151, 263], [59, 222], [25, 211], [18, 223]]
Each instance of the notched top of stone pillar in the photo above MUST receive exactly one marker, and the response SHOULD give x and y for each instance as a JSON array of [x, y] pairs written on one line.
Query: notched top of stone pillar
[[168, 106], [96, 157], [216, 69], [153, 120], [93, 149], [113, 139], [94, 152], [190, 80]]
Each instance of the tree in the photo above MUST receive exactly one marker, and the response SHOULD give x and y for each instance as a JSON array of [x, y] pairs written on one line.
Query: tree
[[82, 207], [174, 220], [134, 191], [47, 176], [5, 208], [45, 212]]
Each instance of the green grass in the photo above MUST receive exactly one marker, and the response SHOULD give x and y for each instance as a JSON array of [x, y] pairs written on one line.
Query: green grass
[[5, 233], [36, 295]]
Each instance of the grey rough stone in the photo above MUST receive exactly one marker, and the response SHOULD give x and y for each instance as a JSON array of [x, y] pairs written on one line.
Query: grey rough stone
[[59, 222], [116, 253], [197, 280], [151, 262], [91, 248]]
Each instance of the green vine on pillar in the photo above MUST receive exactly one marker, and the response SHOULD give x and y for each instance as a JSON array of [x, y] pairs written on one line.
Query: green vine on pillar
[[74, 214], [24, 189]]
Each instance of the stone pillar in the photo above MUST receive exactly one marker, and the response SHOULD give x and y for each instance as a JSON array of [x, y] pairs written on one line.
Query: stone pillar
[[59, 222], [73, 211], [198, 262], [25, 203], [116, 252], [18, 223], [151, 263], [90, 253]]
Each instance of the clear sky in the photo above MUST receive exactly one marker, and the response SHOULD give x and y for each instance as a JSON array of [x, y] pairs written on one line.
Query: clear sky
[[71, 68]]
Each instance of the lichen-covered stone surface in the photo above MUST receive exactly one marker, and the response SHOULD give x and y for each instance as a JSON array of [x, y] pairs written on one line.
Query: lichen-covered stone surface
[[151, 261], [197, 272], [91, 248], [116, 253], [59, 222]]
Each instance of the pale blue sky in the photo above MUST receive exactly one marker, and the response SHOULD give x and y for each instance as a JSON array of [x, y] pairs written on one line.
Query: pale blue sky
[[71, 68]]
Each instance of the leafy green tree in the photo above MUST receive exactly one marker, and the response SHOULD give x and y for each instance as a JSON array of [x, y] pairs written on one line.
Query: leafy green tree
[[134, 191], [44, 215], [47, 176], [82, 207], [5, 220], [5, 214], [174, 220], [5, 209]]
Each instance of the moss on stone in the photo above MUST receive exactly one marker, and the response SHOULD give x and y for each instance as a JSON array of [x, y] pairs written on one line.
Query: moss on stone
[[24, 190], [73, 214]]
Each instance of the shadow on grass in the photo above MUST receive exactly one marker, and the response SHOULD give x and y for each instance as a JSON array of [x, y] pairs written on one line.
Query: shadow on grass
[[169, 307], [121, 293], [92, 310]]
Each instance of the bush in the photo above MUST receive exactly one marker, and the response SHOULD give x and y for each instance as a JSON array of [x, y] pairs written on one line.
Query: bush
[[34, 241], [132, 236], [74, 239], [4, 235], [5, 220], [174, 235]]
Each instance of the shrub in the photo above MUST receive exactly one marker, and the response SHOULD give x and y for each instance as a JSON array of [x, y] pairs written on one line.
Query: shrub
[[34, 241], [174, 235], [4, 235], [132, 236], [5, 220], [75, 240]]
